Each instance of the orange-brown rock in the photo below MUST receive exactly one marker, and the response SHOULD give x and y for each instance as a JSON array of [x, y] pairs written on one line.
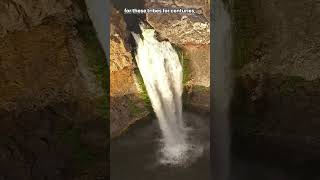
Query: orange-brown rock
[[125, 105]]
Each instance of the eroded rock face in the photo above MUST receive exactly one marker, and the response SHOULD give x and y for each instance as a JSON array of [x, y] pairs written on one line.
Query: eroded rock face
[[278, 111], [281, 73], [50, 96], [18, 15], [41, 63], [197, 88], [181, 28], [34, 67], [47, 143], [125, 105], [198, 59], [120, 55], [286, 39]]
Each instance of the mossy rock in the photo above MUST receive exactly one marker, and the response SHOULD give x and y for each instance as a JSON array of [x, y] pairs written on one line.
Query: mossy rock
[[97, 64]]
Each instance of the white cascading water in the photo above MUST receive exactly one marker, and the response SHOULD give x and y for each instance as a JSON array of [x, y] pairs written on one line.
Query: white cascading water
[[162, 74]]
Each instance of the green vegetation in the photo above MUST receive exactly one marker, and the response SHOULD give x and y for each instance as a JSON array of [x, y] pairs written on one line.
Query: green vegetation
[[96, 57], [185, 64], [144, 94], [200, 89], [186, 72], [97, 63], [133, 107]]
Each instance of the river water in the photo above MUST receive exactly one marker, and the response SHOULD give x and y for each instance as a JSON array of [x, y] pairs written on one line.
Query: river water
[[136, 155]]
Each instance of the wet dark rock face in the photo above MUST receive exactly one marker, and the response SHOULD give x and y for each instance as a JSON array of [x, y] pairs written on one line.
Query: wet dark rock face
[[51, 98], [276, 101], [280, 110], [51, 143], [132, 20]]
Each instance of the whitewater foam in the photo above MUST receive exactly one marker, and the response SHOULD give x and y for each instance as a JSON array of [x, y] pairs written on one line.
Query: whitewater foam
[[162, 74]]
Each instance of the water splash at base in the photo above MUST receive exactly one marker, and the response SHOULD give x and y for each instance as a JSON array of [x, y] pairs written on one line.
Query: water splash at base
[[162, 74]]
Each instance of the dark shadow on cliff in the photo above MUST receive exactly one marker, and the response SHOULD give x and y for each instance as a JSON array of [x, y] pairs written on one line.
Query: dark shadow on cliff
[[56, 142], [132, 20]]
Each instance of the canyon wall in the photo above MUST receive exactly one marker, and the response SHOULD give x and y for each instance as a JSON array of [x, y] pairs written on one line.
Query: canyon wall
[[126, 101], [278, 69], [52, 96]]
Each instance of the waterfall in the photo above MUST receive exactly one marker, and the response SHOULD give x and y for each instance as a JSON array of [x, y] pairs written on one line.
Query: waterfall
[[162, 74]]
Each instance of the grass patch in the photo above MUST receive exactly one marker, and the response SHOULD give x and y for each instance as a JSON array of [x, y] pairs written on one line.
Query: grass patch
[[143, 94], [184, 62]]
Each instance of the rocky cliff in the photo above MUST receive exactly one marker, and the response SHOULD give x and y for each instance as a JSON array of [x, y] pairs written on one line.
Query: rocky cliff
[[126, 104], [277, 60], [52, 90]]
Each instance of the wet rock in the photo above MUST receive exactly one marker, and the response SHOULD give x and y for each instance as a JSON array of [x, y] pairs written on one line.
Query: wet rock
[[47, 88], [279, 49]]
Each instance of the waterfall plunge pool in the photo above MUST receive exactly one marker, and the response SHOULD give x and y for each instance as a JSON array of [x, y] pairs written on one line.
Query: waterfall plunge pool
[[136, 155]]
